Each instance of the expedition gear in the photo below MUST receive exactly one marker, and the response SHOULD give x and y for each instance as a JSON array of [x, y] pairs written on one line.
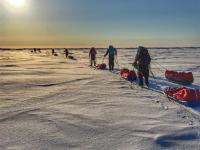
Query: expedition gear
[[187, 96], [101, 66], [180, 77], [129, 75]]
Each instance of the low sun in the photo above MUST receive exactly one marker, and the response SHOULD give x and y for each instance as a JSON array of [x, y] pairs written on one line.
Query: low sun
[[17, 3]]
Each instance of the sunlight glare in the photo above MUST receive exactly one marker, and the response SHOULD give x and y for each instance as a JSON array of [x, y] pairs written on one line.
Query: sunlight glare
[[17, 3]]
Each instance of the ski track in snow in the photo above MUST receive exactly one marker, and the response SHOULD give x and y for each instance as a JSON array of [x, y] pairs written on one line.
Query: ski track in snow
[[49, 102]]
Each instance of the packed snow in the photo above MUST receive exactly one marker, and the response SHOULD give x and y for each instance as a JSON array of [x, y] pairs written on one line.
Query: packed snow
[[53, 103]]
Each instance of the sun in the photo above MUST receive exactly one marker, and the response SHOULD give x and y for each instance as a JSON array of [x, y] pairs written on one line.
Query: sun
[[17, 3]]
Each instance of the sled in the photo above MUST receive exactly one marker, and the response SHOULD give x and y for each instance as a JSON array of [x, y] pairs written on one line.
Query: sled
[[129, 75], [182, 78], [101, 66], [184, 95]]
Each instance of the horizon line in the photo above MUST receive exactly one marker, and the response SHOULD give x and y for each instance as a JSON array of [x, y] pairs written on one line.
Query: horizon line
[[162, 47]]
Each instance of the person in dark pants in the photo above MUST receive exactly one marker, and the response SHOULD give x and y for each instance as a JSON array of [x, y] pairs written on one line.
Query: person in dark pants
[[39, 50], [112, 53], [66, 53], [35, 50], [53, 52], [142, 63], [92, 56]]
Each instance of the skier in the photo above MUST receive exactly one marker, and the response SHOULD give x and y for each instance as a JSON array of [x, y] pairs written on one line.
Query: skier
[[112, 53], [92, 56], [142, 63], [53, 52], [35, 50], [39, 50], [66, 52]]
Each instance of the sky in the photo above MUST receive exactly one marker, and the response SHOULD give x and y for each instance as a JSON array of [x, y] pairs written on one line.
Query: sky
[[87, 23]]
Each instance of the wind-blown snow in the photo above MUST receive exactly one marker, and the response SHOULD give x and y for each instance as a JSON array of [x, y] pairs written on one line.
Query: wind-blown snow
[[49, 103]]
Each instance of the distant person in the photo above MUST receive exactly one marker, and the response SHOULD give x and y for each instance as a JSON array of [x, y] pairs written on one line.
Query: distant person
[[39, 50], [112, 53], [92, 56], [53, 52], [35, 50], [142, 63], [66, 53]]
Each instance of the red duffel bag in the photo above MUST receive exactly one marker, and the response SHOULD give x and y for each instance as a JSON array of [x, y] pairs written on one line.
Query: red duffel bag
[[184, 78]]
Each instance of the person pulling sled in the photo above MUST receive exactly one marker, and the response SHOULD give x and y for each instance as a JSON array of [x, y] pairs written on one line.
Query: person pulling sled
[[66, 52], [142, 64], [92, 56], [112, 53]]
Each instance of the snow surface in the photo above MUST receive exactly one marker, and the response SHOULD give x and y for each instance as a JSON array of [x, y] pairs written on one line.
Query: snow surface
[[51, 103]]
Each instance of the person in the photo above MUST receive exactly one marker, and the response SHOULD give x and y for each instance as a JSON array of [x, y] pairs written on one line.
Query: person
[[53, 52], [35, 50], [66, 53], [142, 63], [92, 56], [112, 53], [39, 50]]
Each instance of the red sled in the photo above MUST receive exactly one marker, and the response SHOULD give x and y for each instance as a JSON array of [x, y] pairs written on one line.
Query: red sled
[[182, 78], [129, 75], [187, 96], [101, 66]]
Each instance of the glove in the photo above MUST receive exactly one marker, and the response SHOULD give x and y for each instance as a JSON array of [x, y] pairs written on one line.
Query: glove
[[135, 65]]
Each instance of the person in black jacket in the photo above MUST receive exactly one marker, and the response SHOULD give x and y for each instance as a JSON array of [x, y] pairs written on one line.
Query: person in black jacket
[[66, 53], [142, 63], [92, 56], [53, 52]]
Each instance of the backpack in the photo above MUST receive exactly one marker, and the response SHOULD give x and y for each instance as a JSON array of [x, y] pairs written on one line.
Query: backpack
[[143, 56], [111, 51], [93, 52]]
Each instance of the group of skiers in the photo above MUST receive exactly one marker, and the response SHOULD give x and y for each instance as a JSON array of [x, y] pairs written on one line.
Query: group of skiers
[[66, 53], [111, 52], [36, 50], [141, 63]]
